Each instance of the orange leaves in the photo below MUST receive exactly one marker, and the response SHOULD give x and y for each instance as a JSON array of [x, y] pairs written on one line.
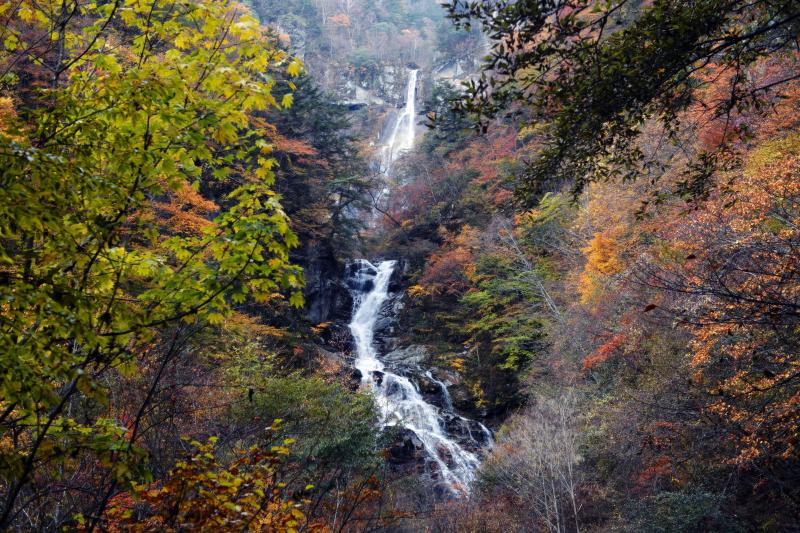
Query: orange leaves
[[252, 325], [488, 159], [449, 270], [293, 146], [187, 211], [340, 19], [717, 125], [744, 288], [659, 467], [446, 271]]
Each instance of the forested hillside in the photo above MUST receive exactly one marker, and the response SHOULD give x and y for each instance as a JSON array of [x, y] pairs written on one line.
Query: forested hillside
[[361, 265]]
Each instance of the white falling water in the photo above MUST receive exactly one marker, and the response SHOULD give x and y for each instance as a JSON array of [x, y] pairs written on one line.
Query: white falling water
[[402, 137], [398, 399]]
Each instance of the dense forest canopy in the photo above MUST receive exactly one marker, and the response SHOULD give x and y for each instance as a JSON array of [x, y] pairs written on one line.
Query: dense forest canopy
[[569, 303]]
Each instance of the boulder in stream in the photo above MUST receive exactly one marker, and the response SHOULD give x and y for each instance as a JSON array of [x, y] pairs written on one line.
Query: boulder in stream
[[407, 449]]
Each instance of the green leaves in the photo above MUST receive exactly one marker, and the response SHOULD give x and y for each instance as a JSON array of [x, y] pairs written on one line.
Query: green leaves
[[96, 260]]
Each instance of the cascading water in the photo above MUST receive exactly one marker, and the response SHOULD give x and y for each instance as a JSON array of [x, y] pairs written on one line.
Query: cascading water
[[402, 136], [398, 398]]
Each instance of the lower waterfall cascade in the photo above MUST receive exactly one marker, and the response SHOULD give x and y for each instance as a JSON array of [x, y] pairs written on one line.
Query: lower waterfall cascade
[[398, 397]]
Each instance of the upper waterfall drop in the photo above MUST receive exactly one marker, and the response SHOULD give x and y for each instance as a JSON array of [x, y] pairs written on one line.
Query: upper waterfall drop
[[398, 398], [404, 132], [410, 112]]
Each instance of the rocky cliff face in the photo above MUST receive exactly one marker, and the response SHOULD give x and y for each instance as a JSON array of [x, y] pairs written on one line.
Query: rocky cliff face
[[327, 297]]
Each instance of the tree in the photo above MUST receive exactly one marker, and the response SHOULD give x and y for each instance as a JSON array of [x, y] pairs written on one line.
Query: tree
[[134, 105], [201, 494], [591, 73], [537, 463], [737, 272]]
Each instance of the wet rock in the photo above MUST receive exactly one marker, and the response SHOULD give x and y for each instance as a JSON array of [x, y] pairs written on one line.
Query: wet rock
[[354, 382], [431, 391], [464, 401], [377, 375], [445, 455], [388, 344], [414, 354], [407, 448], [395, 390], [442, 491], [384, 326], [447, 376], [360, 276], [358, 268], [428, 386], [468, 433], [398, 282]]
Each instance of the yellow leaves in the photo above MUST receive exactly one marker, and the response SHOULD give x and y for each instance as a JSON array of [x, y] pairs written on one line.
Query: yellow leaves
[[106, 199], [11, 42], [30, 13], [296, 299], [531, 130], [602, 261], [294, 68], [7, 113], [183, 40], [225, 133], [321, 327], [459, 364], [602, 255], [215, 318], [589, 288], [419, 291], [244, 495], [287, 100]]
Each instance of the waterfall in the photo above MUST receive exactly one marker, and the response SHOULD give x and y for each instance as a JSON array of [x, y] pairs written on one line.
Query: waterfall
[[397, 397], [402, 136]]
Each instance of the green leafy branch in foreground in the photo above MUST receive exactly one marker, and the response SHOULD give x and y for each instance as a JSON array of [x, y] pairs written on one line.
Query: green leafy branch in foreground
[[126, 118]]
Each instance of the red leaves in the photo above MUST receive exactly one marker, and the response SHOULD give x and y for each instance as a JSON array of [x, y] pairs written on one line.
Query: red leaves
[[605, 352]]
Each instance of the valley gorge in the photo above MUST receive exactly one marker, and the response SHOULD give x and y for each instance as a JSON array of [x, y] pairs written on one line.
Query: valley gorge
[[355, 266], [433, 442]]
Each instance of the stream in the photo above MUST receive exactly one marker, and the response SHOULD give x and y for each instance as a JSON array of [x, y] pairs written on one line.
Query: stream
[[398, 397], [451, 444]]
